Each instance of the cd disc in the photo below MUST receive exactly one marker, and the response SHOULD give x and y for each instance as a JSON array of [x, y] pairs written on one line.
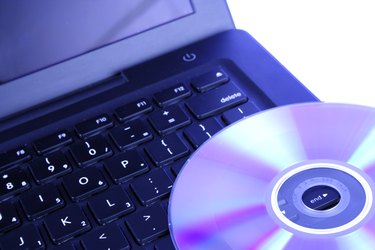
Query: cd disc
[[294, 177]]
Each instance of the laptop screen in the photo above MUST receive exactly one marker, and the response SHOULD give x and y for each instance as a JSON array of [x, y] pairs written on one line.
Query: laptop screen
[[35, 36], [49, 49]]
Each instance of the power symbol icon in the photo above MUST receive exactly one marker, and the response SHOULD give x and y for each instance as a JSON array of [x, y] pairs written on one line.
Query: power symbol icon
[[189, 57]]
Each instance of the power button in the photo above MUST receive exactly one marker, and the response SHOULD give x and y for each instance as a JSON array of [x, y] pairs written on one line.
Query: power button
[[189, 57]]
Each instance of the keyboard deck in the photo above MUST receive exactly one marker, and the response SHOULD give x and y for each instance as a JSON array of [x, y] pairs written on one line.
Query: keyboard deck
[[104, 183]]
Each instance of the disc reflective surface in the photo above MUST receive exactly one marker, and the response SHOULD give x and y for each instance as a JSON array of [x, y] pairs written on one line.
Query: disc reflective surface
[[295, 177]]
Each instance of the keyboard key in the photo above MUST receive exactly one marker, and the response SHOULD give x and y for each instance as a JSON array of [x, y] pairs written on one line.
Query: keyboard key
[[169, 119], [8, 217], [15, 156], [200, 132], [84, 183], [94, 125], [107, 237], [165, 150], [110, 205], [50, 167], [41, 201], [91, 150], [240, 112], [148, 224], [26, 237], [152, 186], [164, 243], [216, 101], [66, 223], [53, 141], [133, 109], [125, 166], [171, 95], [210, 80], [130, 134], [13, 182]]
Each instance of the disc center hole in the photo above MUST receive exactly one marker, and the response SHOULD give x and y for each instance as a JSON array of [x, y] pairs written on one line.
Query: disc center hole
[[321, 197]]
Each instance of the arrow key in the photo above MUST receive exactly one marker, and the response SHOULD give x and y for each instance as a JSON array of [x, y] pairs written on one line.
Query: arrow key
[[107, 237]]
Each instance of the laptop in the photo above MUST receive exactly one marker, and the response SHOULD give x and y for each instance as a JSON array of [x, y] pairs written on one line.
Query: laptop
[[102, 103]]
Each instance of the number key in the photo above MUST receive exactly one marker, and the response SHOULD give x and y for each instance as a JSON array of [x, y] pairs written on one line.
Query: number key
[[91, 150], [13, 182], [49, 167]]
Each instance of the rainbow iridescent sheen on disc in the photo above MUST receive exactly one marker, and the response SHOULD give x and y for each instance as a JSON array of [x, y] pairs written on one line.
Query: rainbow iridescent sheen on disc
[[220, 198]]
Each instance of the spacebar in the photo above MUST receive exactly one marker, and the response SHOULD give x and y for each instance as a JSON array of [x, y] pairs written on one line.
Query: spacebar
[[216, 101]]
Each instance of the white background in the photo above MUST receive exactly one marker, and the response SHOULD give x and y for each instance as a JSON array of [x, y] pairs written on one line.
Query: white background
[[329, 45]]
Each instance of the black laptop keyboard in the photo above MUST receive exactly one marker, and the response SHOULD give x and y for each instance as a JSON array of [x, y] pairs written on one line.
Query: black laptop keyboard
[[105, 183]]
